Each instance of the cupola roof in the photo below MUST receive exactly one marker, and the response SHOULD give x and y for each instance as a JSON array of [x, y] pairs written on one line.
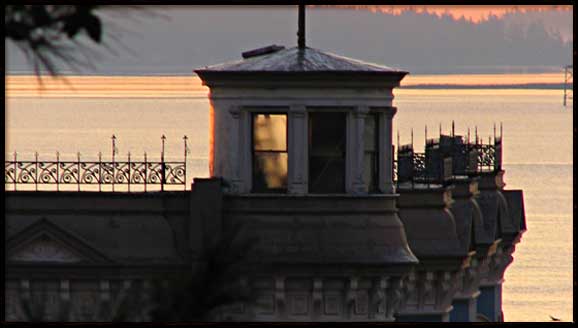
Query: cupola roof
[[300, 60]]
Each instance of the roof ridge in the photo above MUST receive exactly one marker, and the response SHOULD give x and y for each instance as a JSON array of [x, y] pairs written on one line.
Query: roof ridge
[[298, 60]]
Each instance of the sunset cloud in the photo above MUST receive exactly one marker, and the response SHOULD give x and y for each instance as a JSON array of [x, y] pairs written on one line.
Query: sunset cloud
[[474, 14]]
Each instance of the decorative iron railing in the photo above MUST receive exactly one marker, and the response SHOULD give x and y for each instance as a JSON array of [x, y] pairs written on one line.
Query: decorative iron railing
[[489, 156], [129, 173], [420, 173], [411, 167], [446, 157]]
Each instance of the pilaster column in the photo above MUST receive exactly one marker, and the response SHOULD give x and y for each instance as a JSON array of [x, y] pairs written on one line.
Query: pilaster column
[[385, 151], [357, 147], [234, 159], [104, 291], [241, 159], [395, 296], [26, 297], [13, 305], [280, 298], [465, 300], [378, 306], [25, 291], [351, 298], [64, 293], [428, 297], [317, 298], [64, 290], [147, 289], [298, 150], [490, 300]]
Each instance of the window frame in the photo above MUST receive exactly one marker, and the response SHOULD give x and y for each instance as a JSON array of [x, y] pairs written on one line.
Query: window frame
[[253, 114], [345, 111]]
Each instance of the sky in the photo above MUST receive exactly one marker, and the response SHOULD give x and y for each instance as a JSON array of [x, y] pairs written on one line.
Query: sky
[[549, 16], [174, 40]]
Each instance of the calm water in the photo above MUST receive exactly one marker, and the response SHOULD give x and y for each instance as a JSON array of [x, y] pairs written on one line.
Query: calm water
[[537, 158]]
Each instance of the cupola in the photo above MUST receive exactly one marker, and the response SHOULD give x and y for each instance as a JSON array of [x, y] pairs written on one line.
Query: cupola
[[301, 121]]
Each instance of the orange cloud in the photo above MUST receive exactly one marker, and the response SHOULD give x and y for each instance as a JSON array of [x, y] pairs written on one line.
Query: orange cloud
[[474, 14]]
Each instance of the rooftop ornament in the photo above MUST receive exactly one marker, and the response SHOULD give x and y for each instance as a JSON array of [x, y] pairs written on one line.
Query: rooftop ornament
[[274, 48]]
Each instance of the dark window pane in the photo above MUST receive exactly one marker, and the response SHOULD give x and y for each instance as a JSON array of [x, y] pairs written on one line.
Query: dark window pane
[[327, 139], [269, 171], [270, 132], [328, 175]]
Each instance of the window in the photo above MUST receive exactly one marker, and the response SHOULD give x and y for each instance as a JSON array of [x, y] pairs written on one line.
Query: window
[[370, 155], [269, 152], [327, 140]]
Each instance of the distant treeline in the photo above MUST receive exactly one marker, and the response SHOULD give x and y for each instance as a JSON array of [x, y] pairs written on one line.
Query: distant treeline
[[488, 86]]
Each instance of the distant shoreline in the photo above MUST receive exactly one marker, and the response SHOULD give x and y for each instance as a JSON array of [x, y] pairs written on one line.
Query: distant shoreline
[[173, 85], [546, 86]]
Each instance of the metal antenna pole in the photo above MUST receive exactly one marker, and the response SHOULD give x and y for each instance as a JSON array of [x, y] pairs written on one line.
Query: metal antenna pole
[[411, 138], [568, 79], [78, 168], [128, 180], [426, 134], [36, 170], [453, 128], [494, 132], [113, 153], [57, 170], [565, 81], [113, 147], [16, 170], [163, 138], [163, 163], [145, 171], [99, 171], [301, 28], [185, 138]]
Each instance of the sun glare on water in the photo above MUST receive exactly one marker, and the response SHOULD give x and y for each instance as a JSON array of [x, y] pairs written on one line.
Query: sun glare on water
[[191, 87]]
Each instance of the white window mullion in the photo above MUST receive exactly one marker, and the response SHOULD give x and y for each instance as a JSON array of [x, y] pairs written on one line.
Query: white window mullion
[[234, 163], [245, 160], [357, 146], [385, 151], [298, 150]]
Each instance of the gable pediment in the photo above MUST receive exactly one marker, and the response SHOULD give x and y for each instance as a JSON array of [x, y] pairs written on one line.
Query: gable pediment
[[45, 242], [45, 249]]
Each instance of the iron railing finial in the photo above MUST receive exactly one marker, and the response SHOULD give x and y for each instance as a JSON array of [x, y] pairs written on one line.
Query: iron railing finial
[[425, 134]]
